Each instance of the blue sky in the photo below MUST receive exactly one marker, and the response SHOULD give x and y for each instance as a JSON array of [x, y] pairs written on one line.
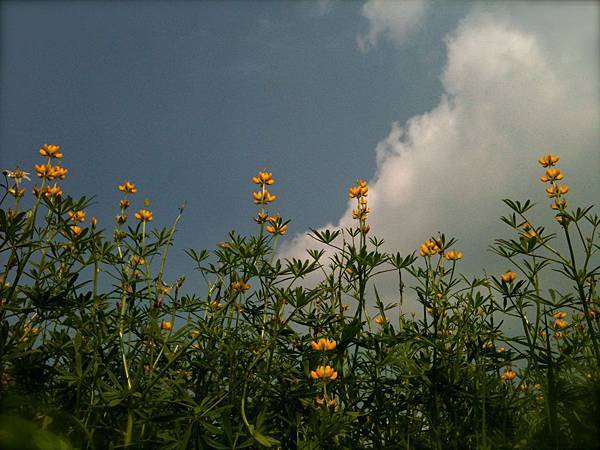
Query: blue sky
[[189, 99]]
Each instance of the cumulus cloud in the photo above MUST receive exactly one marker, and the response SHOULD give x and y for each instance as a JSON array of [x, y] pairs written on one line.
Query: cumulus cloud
[[513, 90], [391, 20]]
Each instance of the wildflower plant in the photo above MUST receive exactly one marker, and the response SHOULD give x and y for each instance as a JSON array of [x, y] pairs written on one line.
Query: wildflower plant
[[99, 349]]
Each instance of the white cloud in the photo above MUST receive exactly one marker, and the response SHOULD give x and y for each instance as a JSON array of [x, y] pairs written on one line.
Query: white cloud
[[391, 20], [513, 90]]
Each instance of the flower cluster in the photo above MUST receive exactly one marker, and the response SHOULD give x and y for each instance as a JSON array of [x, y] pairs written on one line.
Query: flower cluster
[[555, 191], [325, 372], [360, 192], [263, 197], [48, 172], [276, 226]]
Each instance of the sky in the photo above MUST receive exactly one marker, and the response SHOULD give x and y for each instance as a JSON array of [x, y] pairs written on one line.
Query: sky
[[443, 107]]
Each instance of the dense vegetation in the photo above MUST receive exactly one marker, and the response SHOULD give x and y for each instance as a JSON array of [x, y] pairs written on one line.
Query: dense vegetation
[[98, 350]]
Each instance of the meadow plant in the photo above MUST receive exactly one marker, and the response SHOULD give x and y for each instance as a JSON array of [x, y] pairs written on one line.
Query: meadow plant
[[99, 350]]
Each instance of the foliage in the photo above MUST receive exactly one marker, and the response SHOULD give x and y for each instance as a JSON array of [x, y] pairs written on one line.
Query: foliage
[[98, 350]]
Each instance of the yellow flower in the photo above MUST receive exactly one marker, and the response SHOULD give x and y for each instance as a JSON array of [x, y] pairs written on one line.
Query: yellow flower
[[530, 234], [51, 151], [143, 215], [560, 315], [75, 230], [124, 204], [263, 197], [278, 229], [322, 401], [380, 320], [43, 170], [77, 216], [508, 375], [127, 187], [354, 192], [508, 277], [261, 217], [58, 172], [240, 286], [556, 190], [454, 255], [166, 325], [552, 175], [429, 247], [263, 178], [53, 192], [323, 344], [138, 260], [559, 323], [324, 373], [548, 160]]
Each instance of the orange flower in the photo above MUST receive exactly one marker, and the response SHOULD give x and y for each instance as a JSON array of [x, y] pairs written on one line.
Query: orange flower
[[58, 172], [380, 320], [508, 277], [127, 187], [43, 170], [263, 197], [166, 325], [143, 215], [263, 178], [75, 230], [53, 192], [429, 247], [323, 401], [560, 315], [556, 190], [261, 217], [548, 160], [277, 229], [354, 192], [454, 255], [323, 344], [138, 260], [559, 323], [552, 175], [324, 372], [508, 375], [77, 216], [51, 151], [240, 286]]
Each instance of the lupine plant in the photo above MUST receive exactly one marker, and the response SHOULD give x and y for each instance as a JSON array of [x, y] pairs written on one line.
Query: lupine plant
[[98, 349]]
